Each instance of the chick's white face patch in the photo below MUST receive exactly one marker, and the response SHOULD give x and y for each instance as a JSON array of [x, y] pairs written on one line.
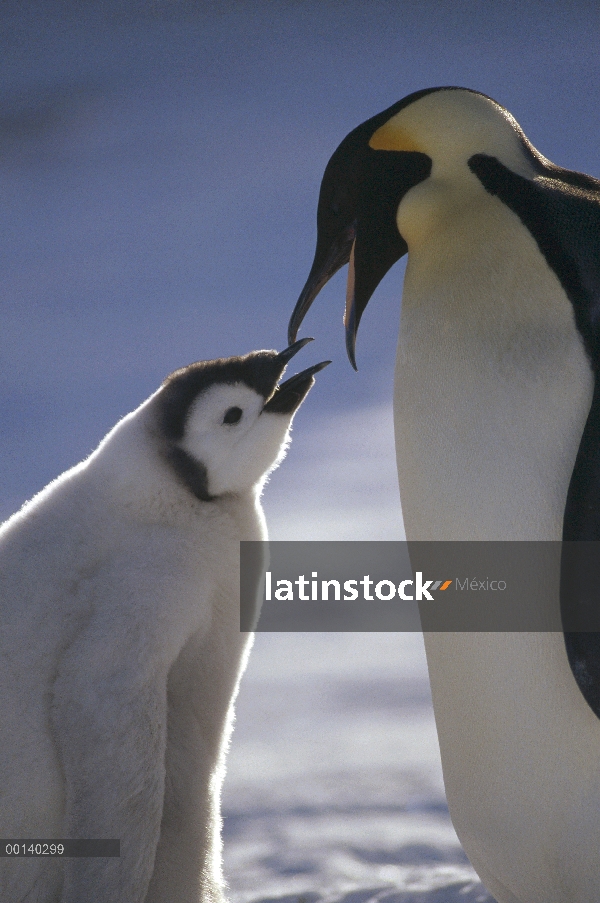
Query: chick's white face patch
[[227, 432]]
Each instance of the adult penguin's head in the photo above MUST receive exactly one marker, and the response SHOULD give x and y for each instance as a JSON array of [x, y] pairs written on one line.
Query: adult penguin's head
[[429, 134]]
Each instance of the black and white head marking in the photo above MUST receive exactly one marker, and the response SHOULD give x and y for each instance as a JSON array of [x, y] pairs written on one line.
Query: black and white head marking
[[222, 425]]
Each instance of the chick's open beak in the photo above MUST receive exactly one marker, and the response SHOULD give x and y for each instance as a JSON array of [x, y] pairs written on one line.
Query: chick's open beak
[[289, 395]]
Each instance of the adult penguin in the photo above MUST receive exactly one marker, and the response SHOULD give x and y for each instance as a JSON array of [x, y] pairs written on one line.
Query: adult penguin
[[497, 421]]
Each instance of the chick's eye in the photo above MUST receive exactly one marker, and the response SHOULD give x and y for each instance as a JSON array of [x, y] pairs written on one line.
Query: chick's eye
[[233, 415]]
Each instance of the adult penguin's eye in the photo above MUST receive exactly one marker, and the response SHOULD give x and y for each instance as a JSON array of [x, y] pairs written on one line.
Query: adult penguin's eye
[[233, 415]]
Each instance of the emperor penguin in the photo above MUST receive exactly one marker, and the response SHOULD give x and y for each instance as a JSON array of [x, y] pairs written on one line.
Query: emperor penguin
[[497, 428], [120, 641]]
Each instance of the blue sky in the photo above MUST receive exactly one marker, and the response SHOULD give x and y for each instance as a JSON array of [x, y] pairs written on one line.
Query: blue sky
[[159, 171]]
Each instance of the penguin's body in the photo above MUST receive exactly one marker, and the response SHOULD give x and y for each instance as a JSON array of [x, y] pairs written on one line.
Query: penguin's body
[[522, 773], [494, 390], [121, 644]]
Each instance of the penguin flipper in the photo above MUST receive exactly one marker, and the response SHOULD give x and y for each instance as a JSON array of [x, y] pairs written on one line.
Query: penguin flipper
[[580, 565]]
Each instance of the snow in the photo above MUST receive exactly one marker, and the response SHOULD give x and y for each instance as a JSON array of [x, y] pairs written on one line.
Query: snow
[[334, 789]]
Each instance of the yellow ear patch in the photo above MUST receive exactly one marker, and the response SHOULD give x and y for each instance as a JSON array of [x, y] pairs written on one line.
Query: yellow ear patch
[[393, 138]]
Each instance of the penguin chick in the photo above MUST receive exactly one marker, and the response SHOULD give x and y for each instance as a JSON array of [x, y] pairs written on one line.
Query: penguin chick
[[121, 649]]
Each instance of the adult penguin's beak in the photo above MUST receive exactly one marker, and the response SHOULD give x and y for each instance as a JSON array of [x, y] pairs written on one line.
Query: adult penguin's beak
[[356, 224]]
